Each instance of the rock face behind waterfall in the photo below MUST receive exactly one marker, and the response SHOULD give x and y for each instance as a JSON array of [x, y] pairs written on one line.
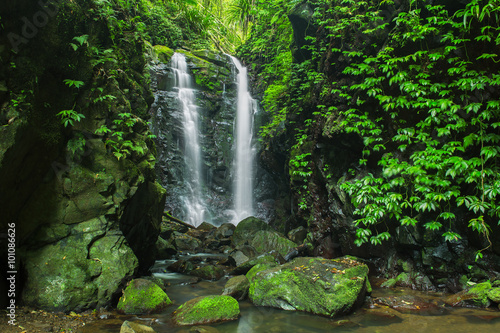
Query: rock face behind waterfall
[[320, 286], [216, 96]]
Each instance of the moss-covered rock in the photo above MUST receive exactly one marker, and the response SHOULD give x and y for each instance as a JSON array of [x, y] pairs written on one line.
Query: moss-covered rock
[[237, 287], [164, 249], [259, 268], [78, 272], [163, 53], [247, 228], [185, 242], [210, 70], [86, 222], [207, 309], [208, 272], [272, 258], [266, 241], [327, 287], [494, 295], [143, 296], [476, 295]]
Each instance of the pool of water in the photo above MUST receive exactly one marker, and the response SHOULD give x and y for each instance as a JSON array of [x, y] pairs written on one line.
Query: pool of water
[[373, 319]]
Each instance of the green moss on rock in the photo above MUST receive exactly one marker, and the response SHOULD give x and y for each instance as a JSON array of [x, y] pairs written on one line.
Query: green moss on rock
[[143, 296], [209, 272], [320, 286], [237, 287], [207, 309], [247, 229], [494, 295], [259, 268], [266, 241], [477, 296], [163, 53]]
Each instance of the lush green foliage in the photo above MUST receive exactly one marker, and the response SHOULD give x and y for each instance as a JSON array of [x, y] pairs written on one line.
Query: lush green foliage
[[268, 50], [427, 106], [425, 102]]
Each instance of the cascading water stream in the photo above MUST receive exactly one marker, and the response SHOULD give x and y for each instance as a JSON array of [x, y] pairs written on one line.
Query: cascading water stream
[[193, 203], [244, 151]]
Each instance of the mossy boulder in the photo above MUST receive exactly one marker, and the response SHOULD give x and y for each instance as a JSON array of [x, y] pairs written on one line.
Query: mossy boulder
[[185, 242], [272, 258], [207, 309], [266, 241], [259, 268], [476, 296], [247, 228], [208, 272], [143, 296], [164, 249], [79, 272], [237, 287], [494, 295], [328, 287]]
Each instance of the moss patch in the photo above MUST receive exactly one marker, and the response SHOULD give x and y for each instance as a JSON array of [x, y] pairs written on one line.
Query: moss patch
[[164, 53], [477, 296], [247, 229], [143, 296], [494, 295], [207, 309], [321, 286], [266, 241]]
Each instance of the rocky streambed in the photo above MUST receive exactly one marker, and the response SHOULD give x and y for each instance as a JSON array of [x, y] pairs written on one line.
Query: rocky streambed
[[250, 278]]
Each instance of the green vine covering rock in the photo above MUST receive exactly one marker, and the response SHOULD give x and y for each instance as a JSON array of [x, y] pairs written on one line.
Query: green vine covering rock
[[207, 309], [143, 296]]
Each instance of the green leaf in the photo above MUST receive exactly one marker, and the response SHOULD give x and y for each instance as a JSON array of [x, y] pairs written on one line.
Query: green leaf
[[450, 236], [433, 225], [74, 83]]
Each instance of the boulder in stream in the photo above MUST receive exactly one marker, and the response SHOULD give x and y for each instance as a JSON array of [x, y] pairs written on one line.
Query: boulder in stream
[[328, 287], [474, 296], [208, 272], [273, 258], [267, 240], [410, 304], [131, 327], [185, 242], [246, 230], [206, 310], [237, 287], [142, 296]]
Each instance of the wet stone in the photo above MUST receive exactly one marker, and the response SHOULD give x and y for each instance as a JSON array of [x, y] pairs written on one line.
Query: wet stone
[[410, 304]]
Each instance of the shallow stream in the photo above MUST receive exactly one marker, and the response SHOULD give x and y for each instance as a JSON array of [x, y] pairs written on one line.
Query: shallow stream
[[373, 319]]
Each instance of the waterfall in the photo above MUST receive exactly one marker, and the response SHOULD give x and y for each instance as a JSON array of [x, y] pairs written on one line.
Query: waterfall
[[244, 152], [193, 202]]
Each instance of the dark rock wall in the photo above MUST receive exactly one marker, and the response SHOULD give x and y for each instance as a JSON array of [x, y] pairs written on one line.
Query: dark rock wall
[[86, 222]]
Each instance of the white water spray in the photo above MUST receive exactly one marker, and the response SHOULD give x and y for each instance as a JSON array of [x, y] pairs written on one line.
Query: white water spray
[[193, 203], [244, 152]]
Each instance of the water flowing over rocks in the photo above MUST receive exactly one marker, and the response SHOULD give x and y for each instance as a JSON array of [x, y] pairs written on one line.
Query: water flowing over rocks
[[216, 97]]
